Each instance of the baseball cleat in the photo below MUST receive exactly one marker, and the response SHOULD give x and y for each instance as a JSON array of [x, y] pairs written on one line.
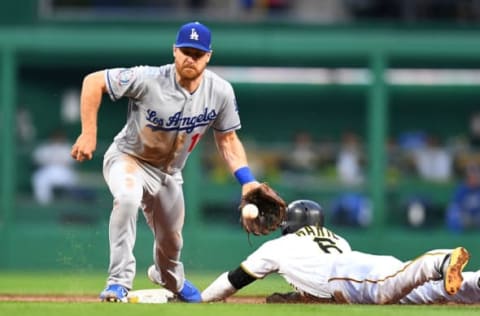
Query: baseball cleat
[[189, 293], [452, 276], [114, 293], [154, 276]]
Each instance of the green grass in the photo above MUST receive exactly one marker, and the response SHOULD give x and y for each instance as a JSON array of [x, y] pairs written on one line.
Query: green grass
[[91, 284], [179, 309]]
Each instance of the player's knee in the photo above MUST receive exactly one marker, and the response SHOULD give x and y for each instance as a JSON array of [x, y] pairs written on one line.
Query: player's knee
[[126, 202]]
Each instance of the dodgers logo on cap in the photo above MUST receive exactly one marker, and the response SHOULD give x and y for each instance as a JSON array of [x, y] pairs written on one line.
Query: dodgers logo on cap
[[195, 35]]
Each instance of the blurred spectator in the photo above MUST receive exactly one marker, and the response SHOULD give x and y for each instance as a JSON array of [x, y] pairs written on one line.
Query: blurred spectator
[[276, 6], [197, 4], [368, 9], [26, 130], [302, 158], [325, 11], [467, 147], [463, 212], [55, 167], [421, 11], [352, 209], [319, 11], [474, 133], [433, 161], [416, 211], [395, 161], [422, 211], [349, 160], [247, 5], [412, 140]]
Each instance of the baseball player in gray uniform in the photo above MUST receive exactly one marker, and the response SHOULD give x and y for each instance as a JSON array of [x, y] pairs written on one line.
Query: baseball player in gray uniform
[[317, 262], [170, 109]]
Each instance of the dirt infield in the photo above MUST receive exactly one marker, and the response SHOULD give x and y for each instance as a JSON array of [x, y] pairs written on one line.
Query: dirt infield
[[94, 299]]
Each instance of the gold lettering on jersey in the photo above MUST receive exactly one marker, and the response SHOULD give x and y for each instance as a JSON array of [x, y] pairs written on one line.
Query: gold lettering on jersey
[[316, 231], [309, 230]]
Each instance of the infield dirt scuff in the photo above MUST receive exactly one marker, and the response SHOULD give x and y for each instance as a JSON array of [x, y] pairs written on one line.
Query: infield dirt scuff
[[95, 299]]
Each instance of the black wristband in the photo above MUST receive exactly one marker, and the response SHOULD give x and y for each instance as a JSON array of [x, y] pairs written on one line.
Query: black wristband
[[239, 278]]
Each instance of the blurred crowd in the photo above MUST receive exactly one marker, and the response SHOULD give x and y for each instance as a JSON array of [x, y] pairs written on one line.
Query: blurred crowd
[[308, 160], [416, 160], [323, 11]]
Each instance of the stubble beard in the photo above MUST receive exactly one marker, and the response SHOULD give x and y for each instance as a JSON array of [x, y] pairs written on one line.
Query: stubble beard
[[189, 73]]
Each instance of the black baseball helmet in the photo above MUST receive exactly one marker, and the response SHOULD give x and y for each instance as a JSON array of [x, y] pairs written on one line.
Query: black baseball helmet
[[301, 213]]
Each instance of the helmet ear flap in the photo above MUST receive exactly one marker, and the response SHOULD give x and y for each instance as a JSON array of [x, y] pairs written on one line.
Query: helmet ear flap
[[295, 219]]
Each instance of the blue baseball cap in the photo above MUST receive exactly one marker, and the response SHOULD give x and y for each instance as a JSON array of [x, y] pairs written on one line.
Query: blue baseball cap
[[195, 35]]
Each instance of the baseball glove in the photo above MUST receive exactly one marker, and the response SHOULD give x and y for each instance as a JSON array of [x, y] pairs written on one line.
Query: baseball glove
[[271, 210]]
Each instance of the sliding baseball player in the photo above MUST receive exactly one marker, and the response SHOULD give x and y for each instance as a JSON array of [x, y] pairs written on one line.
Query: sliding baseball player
[[317, 262]]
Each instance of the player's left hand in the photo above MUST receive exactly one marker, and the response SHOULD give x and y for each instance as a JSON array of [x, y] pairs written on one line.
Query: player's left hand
[[247, 187], [271, 209], [84, 147]]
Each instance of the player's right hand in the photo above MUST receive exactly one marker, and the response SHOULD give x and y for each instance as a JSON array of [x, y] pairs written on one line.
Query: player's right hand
[[84, 147]]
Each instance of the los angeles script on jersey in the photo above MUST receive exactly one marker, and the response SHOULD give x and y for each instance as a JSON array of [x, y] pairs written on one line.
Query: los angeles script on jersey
[[179, 122]]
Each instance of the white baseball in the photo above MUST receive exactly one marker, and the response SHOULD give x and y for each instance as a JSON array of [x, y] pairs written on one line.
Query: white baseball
[[250, 211]]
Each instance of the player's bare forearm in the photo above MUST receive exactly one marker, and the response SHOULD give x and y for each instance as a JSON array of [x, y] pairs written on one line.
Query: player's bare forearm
[[232, 151], [219, 289], [92, 89]]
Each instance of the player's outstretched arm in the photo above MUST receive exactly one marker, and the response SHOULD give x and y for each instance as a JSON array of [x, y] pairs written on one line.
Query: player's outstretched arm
[[219, 289], [91, 96], [227, 284], [233, 153]]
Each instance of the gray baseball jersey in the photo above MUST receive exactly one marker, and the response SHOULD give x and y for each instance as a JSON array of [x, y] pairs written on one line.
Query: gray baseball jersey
[[165, 121]]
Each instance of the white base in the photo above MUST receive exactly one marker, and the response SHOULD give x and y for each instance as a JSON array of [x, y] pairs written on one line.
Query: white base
[[150, 296]]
